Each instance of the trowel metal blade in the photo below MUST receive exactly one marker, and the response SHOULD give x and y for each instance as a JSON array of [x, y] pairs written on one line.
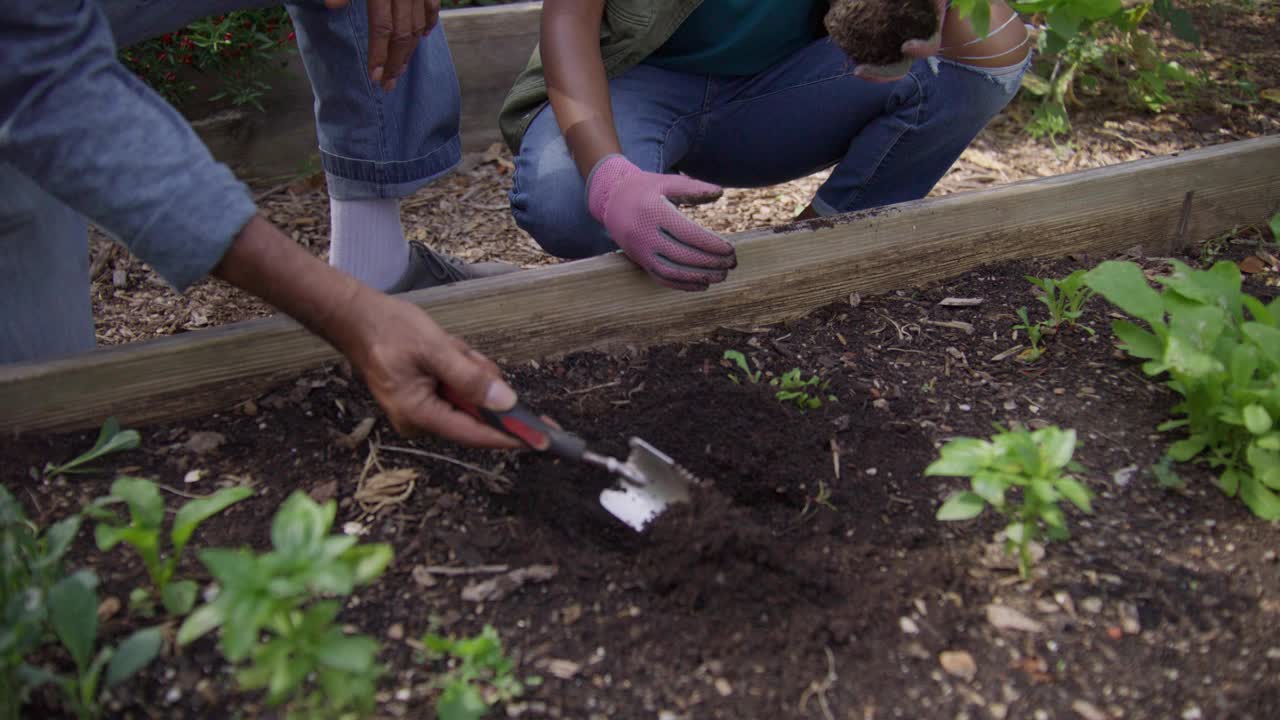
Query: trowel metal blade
[[664, 484]]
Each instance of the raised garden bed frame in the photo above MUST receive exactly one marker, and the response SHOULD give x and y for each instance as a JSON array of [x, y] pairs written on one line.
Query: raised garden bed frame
[[606, 301]]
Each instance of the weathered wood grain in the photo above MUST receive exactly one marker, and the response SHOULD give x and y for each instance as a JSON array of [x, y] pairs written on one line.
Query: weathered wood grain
[[606, 301]]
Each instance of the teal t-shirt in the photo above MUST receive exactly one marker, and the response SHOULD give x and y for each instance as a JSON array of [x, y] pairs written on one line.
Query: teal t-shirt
[[739, 37]]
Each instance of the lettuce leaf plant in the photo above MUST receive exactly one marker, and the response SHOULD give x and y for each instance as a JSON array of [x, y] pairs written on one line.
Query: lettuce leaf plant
[[144, 532], [1020, 474], [1219, 349], [481, 677], [276, 618]]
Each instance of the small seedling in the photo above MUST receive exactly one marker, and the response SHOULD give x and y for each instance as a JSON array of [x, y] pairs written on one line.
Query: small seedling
[[1034, 332], [1274, 224], [737, 358], [482, 677], [1032, 463], [73, 616], [305, 660], [1064, 298], [145, 534], [111, 439], [806, 394], [820, 499]]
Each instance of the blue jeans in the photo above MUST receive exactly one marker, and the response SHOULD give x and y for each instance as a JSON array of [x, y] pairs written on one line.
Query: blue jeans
[[888, 142], [372, 145]]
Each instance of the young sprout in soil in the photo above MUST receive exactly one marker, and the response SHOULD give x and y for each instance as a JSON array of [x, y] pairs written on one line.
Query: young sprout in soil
[[111, 439], [1219, 348], [1274, 225], [821, 499], [144, 532], [277, 619], [1064, 298], [1020, 474], [1034, 332], [482, 675], [737, 358], [806, 394]]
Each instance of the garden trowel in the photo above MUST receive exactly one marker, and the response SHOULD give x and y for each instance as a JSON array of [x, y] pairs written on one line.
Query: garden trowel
[[649, 480]]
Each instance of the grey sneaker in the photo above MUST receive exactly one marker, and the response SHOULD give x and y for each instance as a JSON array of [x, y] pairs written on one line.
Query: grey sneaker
[[428, 268]]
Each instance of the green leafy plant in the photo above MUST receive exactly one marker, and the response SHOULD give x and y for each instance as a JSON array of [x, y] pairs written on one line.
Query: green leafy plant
[[1219, 349], [111, 439], [307, 662], [481, 675], [144, 532], [30, 563], [73, 615], [1021, 474], [737, 358], [1274, 225], [40, 602], [236, 50], [1081, 43], [806, 394], [1034, 332], [1064, 298]]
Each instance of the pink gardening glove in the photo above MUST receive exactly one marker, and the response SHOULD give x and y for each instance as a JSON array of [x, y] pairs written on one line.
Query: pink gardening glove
[[636, 208]]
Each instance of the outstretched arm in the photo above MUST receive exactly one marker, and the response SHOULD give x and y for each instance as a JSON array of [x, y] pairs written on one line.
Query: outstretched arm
[[85, 130]]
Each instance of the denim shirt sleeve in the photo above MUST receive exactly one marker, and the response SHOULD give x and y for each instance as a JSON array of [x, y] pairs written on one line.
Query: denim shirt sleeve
[[79, 124]]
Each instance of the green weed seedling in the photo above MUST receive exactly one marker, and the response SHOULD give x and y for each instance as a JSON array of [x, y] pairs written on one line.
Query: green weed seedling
[[1219, 349], [1034, 332], [144, 532], [306, 661], [806, 394], [481, 677], [1064, 298], [111, 439], [40, 602], [1274, 225], [1021, 474], [737, 358]]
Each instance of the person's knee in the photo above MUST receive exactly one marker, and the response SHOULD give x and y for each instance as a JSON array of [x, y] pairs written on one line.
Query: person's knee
[[548, 201]]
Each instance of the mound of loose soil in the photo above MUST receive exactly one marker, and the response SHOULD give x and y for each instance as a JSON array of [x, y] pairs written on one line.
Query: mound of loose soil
[[871, 32]]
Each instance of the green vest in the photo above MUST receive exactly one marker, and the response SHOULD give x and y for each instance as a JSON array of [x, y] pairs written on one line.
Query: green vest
[[629, 32]]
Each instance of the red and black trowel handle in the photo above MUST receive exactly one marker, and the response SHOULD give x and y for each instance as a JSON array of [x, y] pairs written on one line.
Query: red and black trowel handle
[[521, 423]]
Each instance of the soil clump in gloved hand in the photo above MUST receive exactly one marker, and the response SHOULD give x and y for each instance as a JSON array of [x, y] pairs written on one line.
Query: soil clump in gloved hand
[[871, 32]]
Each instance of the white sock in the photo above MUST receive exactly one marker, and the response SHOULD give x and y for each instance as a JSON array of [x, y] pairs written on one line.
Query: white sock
[[367, 241]]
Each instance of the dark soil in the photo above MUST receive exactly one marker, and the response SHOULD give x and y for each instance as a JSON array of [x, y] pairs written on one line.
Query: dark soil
[[871, 32], [809, 579]]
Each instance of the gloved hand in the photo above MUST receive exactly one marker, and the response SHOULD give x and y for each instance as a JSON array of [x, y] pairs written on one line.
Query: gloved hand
[[636, 208]]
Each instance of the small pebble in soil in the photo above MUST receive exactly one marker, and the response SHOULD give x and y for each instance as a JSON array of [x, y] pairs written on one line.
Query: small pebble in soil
[[909, 626], [1091, 604], [173, 695], [958, 663]]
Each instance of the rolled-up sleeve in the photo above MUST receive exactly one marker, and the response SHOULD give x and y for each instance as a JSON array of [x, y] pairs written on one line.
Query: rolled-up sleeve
[[79, 124]]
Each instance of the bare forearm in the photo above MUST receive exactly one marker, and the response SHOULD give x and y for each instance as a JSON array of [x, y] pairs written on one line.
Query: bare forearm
[[576, 80], [267, 263]]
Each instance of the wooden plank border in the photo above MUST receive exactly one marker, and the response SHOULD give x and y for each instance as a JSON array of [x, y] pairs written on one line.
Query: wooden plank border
[[606, 301]]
